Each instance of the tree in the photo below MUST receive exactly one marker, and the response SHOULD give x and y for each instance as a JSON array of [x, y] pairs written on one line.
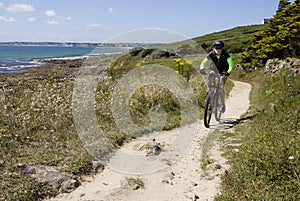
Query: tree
[[280, 38], [283, 4]]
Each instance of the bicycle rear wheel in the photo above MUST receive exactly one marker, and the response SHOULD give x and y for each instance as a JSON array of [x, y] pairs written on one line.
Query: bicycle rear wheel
[[207, 111]]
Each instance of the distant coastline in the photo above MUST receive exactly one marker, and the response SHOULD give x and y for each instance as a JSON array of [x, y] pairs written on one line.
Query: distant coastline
[[17, 57], [78, 44]]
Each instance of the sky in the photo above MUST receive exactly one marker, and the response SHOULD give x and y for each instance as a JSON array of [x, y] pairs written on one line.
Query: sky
[[98, 21]]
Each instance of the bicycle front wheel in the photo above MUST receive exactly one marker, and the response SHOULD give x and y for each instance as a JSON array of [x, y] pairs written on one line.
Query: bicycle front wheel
[[217, 107], [207, 111]]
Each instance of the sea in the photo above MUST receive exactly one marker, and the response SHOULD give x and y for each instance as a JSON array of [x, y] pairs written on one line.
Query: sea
[[19, 58]]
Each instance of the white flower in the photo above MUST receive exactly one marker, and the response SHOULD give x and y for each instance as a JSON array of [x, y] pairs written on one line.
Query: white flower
[[291, 157]]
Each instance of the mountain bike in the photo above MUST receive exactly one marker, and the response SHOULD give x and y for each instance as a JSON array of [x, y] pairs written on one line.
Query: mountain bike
[[212, 100]]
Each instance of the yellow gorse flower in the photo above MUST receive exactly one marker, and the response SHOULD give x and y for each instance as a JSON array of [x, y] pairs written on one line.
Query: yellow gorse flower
[[178, 59], [183, 67], [188, 62]]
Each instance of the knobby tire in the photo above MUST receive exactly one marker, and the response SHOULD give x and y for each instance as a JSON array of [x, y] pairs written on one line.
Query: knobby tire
[[207, 111]]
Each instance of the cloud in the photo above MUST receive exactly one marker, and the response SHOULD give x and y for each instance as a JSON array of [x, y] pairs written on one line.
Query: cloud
[[69, 18], [31, 19], [50, 13], [93, 26], [1, 5], [20, 8], [148, 35], [52, 22], [110, 10], [7, 19]]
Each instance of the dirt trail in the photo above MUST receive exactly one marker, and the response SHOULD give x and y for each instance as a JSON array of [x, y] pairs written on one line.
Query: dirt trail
[[182, 180]]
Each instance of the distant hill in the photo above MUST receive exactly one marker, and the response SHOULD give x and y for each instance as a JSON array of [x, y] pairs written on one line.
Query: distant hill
[[236, 39]]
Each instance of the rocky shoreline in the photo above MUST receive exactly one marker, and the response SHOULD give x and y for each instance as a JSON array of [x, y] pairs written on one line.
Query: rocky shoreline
[[64, 68]]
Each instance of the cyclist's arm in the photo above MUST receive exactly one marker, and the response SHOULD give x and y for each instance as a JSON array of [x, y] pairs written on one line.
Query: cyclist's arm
[[204, 63], [231, 64]]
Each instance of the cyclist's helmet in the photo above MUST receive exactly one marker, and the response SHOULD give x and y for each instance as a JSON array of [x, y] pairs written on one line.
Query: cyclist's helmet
[[218, 44]]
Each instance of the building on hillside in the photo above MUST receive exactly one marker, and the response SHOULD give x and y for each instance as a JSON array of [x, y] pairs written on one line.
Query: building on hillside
[[265, 21]]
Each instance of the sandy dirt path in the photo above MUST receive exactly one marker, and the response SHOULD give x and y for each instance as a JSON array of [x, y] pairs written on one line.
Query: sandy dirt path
[[179, 181]]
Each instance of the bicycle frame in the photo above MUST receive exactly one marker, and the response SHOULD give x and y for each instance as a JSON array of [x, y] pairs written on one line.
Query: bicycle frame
[[212, 101]]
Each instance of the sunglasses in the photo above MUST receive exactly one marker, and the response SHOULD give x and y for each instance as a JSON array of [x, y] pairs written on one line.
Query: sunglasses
[[218, 47]]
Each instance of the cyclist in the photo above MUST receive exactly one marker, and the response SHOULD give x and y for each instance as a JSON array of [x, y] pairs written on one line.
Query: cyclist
[[222, 63]]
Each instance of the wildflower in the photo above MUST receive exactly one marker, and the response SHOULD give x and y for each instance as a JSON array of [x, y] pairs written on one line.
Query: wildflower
[[28, 170], [291, 157], [188, 62], [138, 65], [178, 59]]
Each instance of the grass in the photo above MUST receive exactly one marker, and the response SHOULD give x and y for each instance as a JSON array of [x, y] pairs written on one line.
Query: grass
[[236, 39], [267, 165], [135, 182]]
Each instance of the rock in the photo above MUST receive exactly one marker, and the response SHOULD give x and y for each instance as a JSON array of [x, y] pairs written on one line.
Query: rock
[[98, 167], [273, 66], [74, 65], [146, 52], [296, 63], [69, 185], [152, 148], [157, 54], [135, 51], [59, 181], [1, 163]]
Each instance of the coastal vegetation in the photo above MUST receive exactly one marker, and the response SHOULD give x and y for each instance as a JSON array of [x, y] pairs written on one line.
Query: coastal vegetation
[[37, 126]]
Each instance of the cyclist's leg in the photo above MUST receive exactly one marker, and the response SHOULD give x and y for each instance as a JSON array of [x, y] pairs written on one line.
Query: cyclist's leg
[[210, 79]]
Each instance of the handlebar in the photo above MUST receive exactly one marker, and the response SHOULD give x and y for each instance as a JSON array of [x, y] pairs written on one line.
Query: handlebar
[[213, 73]]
